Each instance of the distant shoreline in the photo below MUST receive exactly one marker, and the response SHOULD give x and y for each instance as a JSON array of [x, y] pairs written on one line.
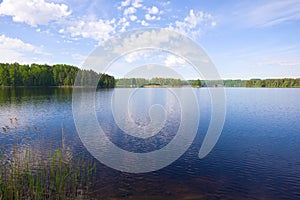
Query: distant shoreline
[[120, 87], [41, 87], [159, 82], [62, 86]]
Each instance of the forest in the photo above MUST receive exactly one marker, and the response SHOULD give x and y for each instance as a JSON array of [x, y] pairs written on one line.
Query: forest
[[142, 82], [16, 74], [269, 83]]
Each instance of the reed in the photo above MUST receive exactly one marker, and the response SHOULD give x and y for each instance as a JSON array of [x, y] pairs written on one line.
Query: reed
[[34, 177], [25, 174]]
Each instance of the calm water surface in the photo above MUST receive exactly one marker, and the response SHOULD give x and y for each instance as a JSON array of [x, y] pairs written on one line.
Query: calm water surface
[[256, 157]]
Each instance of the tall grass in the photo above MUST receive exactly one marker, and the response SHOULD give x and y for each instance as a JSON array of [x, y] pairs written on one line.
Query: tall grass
[[34, 177], [27, 175]]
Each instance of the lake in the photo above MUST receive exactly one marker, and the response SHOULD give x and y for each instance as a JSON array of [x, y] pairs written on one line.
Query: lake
[[256, 157]]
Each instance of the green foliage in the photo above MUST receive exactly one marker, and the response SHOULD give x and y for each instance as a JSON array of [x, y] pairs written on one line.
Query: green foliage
[[91, 78], [197, 83], [233, 83], [273, 83], [35, 177], [141, 82], [270, 83], [28, 173], [49, 75]]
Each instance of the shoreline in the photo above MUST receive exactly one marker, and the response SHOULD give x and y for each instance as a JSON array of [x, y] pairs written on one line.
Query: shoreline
[[66, 86], [148, 86]]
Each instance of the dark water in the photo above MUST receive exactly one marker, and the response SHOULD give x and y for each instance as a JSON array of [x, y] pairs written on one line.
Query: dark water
[[256, 157]]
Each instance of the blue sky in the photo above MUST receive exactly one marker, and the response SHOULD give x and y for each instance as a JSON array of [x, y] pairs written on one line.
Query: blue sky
[[244, 39]]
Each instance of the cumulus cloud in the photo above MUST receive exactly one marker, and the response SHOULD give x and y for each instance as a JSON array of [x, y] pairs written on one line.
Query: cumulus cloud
[[173, 60], [151, 17], [153, 39], [191, 25], [33, 12], [144, 23], [152, 13], [134, 56], [134, 3], [98, 29], [133, 17], [14, 49], [137, 3], [130, 10], [162, 38], [154, 10], [123, 24], [125, 3], [193, 19]]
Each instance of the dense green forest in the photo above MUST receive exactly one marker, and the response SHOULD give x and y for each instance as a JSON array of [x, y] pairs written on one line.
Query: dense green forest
[[168, 82], [141, 82], [271, 83], [281, 83], [50, 75], [64, 75]]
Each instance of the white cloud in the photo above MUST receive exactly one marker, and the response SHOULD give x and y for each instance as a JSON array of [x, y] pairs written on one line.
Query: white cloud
[[191, 25], [133, 17], [144, 23], [136, 56], [173, 60], [193, 19], [130, 10], [14, 50], [151, 15], [131, 57], [154, 10], [33, 12], [150, 18], [124, 26], [137, 3], [96, 29], [152, 39], [125, 3], [122, 20], [127, 43], [123, 23], [14, 43]]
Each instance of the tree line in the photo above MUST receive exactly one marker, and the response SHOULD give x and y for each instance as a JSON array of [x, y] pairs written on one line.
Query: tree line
[[270, 83], [142, 82], [274, 83], [16, 74]]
